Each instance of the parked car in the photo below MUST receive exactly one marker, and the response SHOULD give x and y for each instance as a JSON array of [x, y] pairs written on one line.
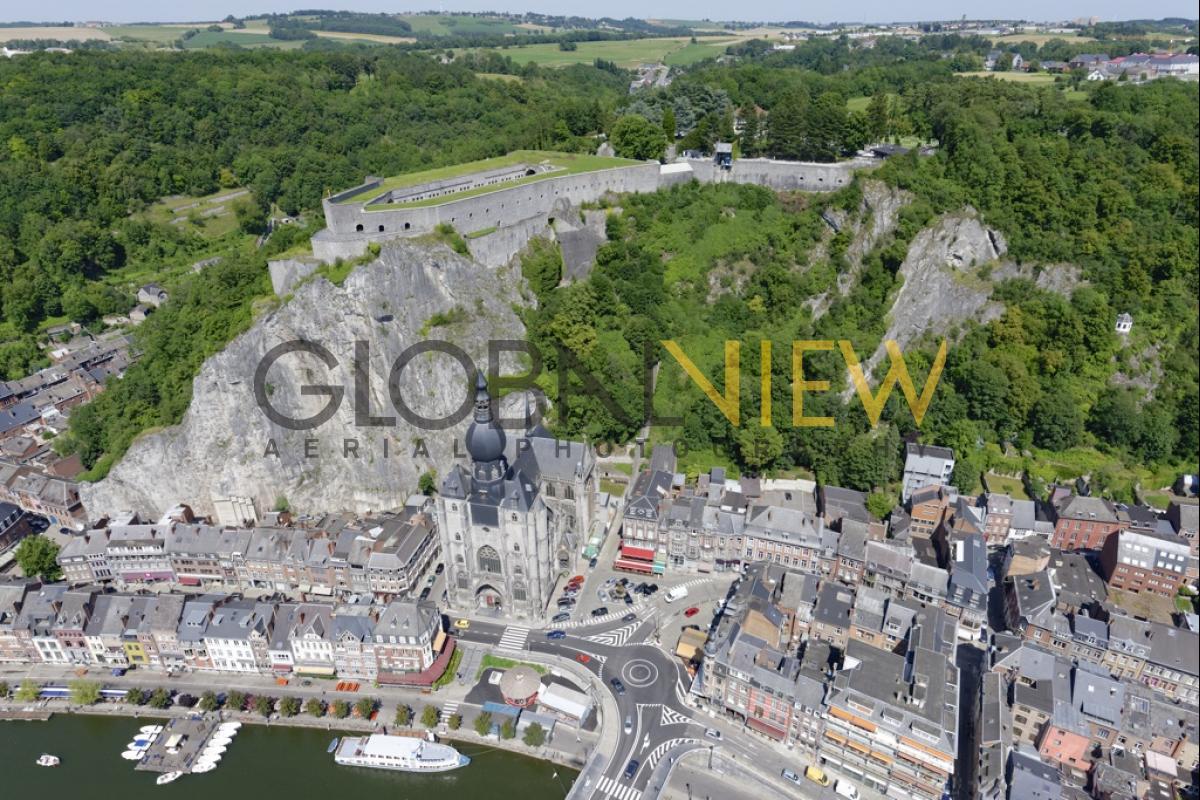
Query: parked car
[[592, 564], [628, 599], [425, 592], [631, 768], [576, 579], [561, 616], [618, 685], [599, 612], [602, 595], [440, 569], [610, 583], [556, 634], [691, 612]]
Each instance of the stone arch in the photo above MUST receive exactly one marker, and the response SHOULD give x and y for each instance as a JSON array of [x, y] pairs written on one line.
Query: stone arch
[[359, 227], [488, 596], [381, 229], [488, 560]]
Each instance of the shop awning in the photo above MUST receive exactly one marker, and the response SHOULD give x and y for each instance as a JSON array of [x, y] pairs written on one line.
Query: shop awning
[[633, 551], [763, 727], [630, 565], [188, 580], [313, 669]]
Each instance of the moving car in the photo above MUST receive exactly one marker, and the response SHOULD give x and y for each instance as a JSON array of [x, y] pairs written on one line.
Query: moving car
[[462, 624], [678, 593], [628, 724], [618, 685], [556, 634], [583, 658], [629, 617], [599, 612], [816, 775], [631, 768], [425, 592], [440, 569], [788, 775], [713, 733], [691, 612]]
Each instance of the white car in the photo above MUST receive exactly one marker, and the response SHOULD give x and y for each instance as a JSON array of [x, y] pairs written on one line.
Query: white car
[[846, 789], [712, 733]]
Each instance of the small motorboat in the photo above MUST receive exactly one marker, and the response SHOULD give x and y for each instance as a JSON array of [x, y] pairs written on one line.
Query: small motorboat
[[133, 755], [333, 745], [212, 752], [47, 760], [204, 766], [150, 729], [167, 777]]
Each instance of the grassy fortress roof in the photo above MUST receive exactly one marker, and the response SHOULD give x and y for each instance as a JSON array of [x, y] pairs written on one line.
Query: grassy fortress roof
[[444, 184]]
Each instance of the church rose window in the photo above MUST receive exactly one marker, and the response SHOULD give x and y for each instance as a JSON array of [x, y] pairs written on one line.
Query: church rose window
[[488, 559]]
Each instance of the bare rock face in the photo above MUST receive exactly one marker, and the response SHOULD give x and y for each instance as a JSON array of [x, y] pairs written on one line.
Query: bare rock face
[[226, 446], [943, 285]]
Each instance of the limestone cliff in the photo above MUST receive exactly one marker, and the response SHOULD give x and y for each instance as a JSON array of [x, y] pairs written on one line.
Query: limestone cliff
[[410, 293]]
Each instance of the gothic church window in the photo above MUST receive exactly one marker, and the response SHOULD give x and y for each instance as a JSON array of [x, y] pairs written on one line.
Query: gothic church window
[[488, 559]]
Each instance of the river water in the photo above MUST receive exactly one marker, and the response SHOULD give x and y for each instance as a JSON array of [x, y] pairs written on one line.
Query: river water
[[275, 763]]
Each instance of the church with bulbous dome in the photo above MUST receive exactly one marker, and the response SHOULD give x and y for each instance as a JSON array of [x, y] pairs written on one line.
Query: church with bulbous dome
[[514, 519]]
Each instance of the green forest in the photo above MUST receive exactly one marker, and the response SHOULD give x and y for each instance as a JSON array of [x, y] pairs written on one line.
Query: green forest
[[1102, 177]]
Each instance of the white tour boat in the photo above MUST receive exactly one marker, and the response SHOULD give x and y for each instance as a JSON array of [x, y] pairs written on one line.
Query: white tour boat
[[167, 777], [404, 753], [47, 760]]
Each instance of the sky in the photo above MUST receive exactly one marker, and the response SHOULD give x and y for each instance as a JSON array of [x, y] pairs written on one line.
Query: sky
[[761, 10]]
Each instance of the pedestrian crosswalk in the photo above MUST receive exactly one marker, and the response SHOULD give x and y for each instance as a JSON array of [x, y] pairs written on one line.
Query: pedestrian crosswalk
[[663, 748], [668, 715], [514, 638], [610, 788], [448, 711]]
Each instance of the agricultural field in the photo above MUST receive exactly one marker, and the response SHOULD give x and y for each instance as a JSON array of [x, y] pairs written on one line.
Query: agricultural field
[[626, 53], [1015, 77], [447, 25], [702, 49], [62, 33], [1039, 38]]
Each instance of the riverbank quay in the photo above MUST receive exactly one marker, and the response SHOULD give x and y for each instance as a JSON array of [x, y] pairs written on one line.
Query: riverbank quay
[[569, 748]]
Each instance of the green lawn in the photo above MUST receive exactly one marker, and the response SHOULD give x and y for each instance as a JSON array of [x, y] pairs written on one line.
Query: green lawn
[[861, 102], [211, 216], [495, 662], [1009, 486], [570, 163], [158, 34], [446, 25]]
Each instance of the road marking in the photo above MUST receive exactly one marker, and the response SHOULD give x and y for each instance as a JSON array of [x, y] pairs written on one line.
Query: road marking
[[618, 637], [514, 638], [610, 787], [448, 711], [662, 749]]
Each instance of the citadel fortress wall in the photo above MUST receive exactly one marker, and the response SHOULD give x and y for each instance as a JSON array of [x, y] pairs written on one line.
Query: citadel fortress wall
[[505, 218]]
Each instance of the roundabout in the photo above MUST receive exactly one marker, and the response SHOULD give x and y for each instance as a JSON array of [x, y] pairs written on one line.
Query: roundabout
[[639, 673]]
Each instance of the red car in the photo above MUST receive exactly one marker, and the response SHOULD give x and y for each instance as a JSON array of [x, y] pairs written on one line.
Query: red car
[[577, 580], [691, 612], [583, 658]]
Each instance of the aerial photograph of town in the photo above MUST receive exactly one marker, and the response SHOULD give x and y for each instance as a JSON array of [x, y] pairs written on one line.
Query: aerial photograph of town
[[667, 400]]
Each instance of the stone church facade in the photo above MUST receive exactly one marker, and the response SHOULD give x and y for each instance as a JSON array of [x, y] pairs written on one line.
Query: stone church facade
[[514, 520]]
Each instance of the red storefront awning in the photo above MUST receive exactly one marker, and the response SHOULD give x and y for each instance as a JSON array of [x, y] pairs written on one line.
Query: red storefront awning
[[642, 553], [643, 567], [768, 729], [188, 580]]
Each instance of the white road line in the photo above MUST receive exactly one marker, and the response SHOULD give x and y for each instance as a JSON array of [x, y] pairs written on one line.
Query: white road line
[[448, 711], [514, 638]]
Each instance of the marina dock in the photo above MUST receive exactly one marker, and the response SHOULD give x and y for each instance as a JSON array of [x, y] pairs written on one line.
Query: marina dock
[[179, 744]]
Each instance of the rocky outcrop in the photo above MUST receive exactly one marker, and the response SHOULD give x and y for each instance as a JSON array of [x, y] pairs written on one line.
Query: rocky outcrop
[[943, 285], [226, 446]]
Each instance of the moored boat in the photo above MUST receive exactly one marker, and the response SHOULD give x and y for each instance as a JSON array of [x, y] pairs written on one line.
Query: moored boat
[[403, 753], [167, 777], [204, 766], [133, 755], [333, 745]]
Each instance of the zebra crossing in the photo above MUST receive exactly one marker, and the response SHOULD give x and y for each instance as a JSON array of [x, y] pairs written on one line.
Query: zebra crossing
[[514, 638], [448, 711], [610, 788]]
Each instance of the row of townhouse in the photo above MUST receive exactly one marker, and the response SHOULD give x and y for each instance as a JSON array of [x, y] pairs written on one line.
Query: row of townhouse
[[384, 555], [58, 624], [1094, 733], [718, 524], [799, 659], [39, 490]]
